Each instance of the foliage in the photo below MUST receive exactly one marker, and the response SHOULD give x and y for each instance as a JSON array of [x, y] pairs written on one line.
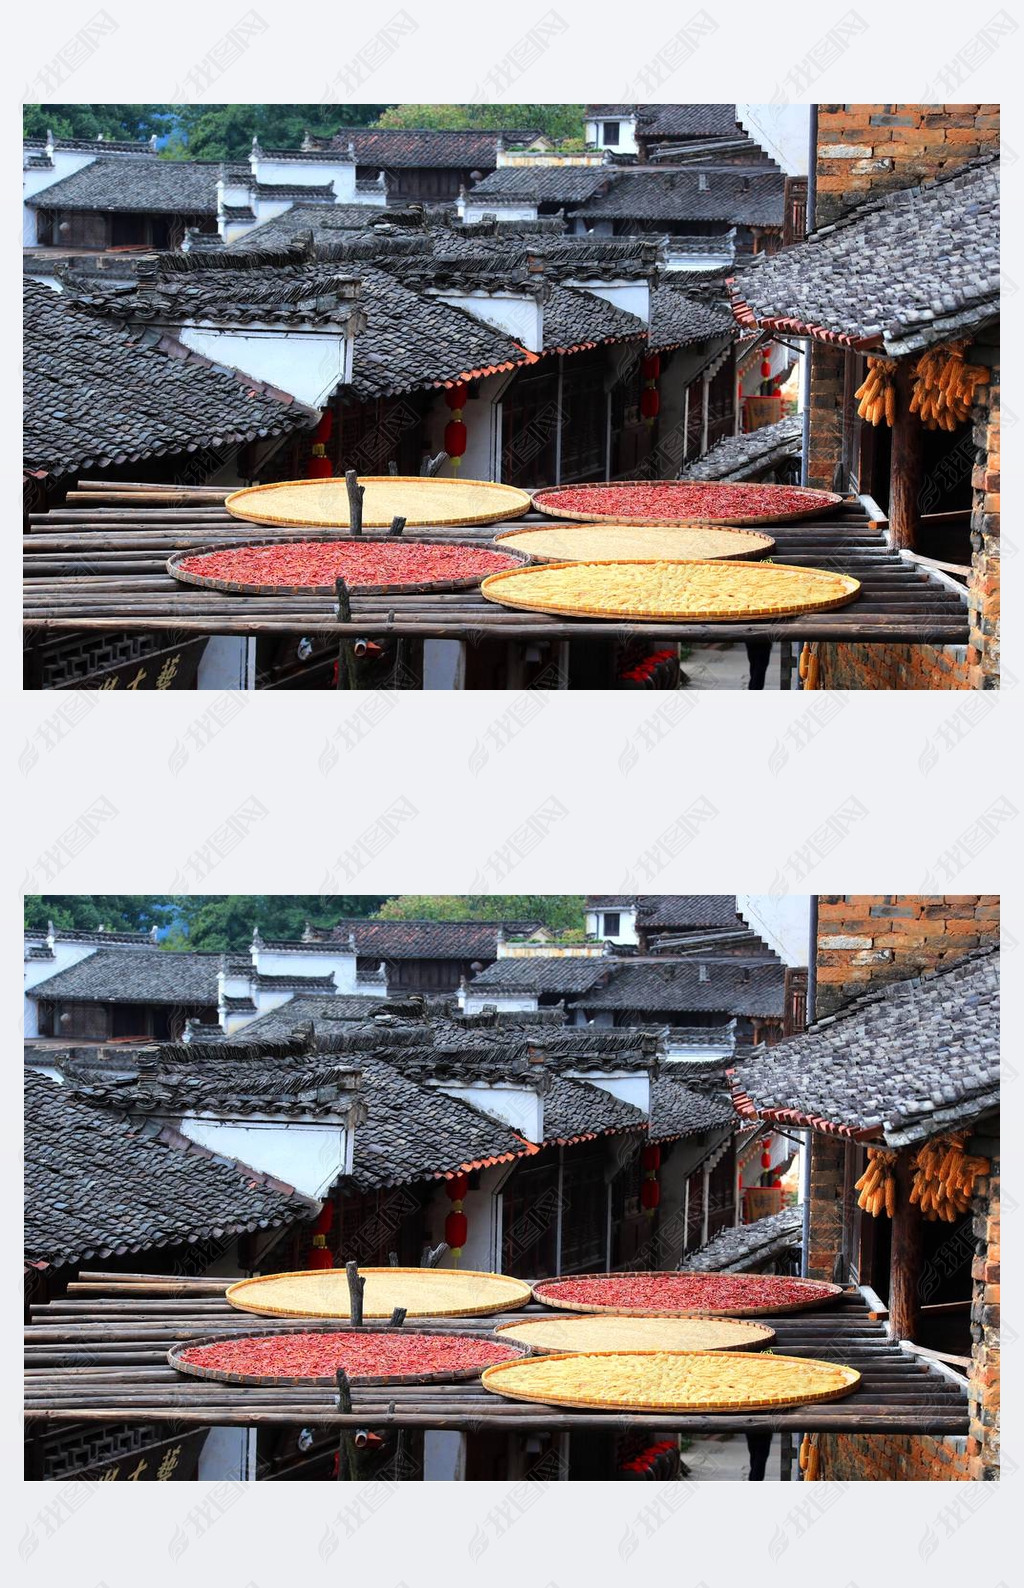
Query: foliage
[[227, 921], [225, 132], [88, 121], [87, 912], [557, 121], [553, 909]]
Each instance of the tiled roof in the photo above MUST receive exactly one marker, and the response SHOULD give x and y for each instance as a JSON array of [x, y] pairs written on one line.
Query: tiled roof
[[738, 457], [737, 1247], [733, 196], [233, 1084], [684, 1108], [95, 1186], [412, 342], [546, 184], [903, 1062], [325, 1013], [179, 187], [324, 220], [414, 1132], [902, 271], [676, 985], [561, 973], [132, 975], [427, 939], [576, 1109], [679, 317], [97, 394], [681, 910], [416, 146], [680, 121], [180, 287], [575, 318]]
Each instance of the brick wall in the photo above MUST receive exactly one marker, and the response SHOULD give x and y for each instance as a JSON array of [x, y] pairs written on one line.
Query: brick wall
[[983, 1444], [862, 150], [886, 937], [826, 1215], [866, 149], [893, 1457]]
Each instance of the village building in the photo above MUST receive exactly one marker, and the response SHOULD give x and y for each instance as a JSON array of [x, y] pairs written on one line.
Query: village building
[[897, 194], [903, 1053]]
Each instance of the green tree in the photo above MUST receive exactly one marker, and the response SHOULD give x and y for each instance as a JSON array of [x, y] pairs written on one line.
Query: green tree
[[87, 912], [559, 910], [556, 121], [89, 121], [225, 132], [227, 921]]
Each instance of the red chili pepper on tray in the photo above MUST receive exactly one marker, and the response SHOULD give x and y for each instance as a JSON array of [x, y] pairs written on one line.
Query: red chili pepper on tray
[[665, 1292], [374, 1354], [683, 499], [305, 563]]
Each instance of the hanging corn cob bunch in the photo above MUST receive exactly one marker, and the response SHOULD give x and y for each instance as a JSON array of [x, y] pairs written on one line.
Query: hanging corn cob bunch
[[877, 1185], [809, 666], [810, 1457], [944, 386], [877, 392], [944, 1176]]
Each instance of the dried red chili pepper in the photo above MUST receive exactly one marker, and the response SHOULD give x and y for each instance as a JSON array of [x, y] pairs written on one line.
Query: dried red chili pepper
[[306, 563], [374, 1354], [683, 499], [665, 1292]]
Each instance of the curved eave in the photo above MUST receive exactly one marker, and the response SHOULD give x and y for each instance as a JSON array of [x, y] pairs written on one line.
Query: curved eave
[[602, 341], [748, 1109], [106, 1249], [752, 321]]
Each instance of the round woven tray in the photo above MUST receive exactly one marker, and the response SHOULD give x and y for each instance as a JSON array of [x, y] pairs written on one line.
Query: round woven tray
[[818, 502], [817, 1291], [685, 592], [423, 1292], [176, 1356], [661, 1381], [610, 1332], [612, 542], [421, 501], [402, 587]]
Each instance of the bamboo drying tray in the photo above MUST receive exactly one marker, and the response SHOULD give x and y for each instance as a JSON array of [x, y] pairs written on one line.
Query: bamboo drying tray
[[176, 1356], [642, 590], [423, 1292], [818, 502], [604, 542], [661, 1381], [818, 1293], [420, 500], [611, 1332], [402, 587]]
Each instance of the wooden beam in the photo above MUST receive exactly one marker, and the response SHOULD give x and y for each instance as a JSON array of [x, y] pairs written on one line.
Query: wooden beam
[[906, 465], [906, 1255]]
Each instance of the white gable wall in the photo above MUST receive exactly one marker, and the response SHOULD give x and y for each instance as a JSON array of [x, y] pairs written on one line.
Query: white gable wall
[[519, 315], [630, 1086], [518, 1106], [309, 1155], [309, 364], [783, 920]]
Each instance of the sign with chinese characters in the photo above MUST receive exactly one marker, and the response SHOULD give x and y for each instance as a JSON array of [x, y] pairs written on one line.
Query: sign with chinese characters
[[170, 1460], [174, 668]]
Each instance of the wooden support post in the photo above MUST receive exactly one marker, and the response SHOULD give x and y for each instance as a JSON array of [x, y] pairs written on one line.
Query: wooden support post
[[356, 1286], [433, 1255], [348, 1468], [906, 1255], [785, 1458], [355, 502], [906, 465], [397, 525], [398, 1317], [393, 1259], [348, 677], [392, 467]]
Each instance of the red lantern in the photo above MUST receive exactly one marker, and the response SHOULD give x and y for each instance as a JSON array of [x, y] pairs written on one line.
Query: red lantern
[[766, 1159], [776, 1184], [456, 396], [456, 1228], [766, 366], [319, 1256], [650, 1195], [457, 1186], [325, 1220], [651, 1158], [455, 438], [322, 433], [651, 366], [319, 467], [650, 402]]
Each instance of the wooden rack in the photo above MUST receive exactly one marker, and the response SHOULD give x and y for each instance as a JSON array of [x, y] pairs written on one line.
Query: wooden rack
[[100, 1355]]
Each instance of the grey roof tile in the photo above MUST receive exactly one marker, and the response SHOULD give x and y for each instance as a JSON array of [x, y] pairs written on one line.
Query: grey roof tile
[[134, 975], [676, 986], [179, 187], [733, 196], [557, 973], [907, 269], [96, 1186], [689, 1107], [741, 1246], [903, 1061], [739, 457]]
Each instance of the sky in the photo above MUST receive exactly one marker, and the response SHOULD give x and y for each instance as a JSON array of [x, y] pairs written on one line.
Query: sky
[[781, 129]]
